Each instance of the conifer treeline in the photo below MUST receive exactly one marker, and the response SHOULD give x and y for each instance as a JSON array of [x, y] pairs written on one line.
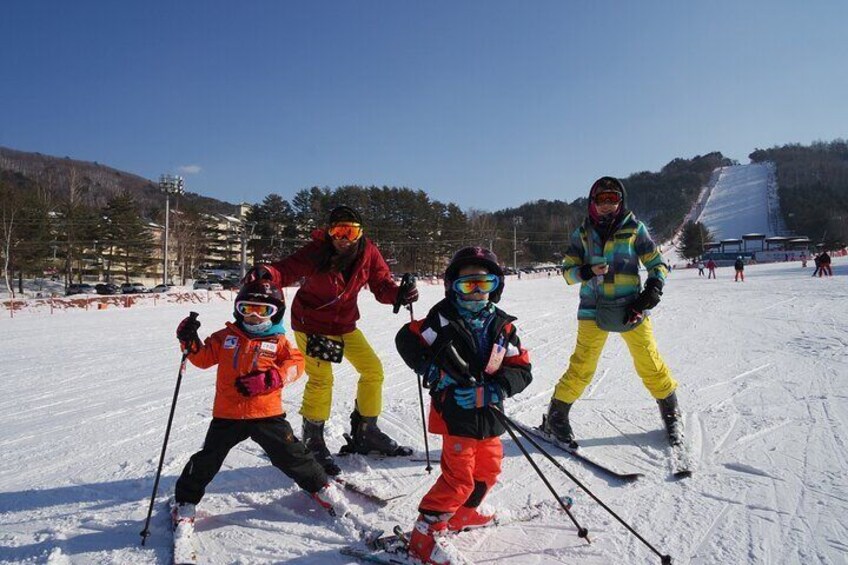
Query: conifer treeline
[[813, 187]]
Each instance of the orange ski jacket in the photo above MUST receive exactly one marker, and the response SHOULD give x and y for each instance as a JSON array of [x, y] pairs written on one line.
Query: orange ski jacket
[[236, 353]]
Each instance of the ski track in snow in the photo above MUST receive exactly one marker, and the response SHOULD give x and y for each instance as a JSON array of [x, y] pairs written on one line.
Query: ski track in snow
[[763, 381]]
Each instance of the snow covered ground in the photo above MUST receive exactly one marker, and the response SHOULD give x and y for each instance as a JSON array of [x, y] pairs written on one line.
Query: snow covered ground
[[763, 376], [739, 202]]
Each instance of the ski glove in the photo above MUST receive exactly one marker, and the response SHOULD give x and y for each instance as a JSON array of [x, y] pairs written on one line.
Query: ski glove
[[478, 396], [438, 379], [407, 294], [586, 272], [647, 300], [449, 361], [187, 334], [260, 382]]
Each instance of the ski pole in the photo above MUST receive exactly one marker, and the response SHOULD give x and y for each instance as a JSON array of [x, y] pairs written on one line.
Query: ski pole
[[429, 467], [581, 531], [665, 559], [145, 533]]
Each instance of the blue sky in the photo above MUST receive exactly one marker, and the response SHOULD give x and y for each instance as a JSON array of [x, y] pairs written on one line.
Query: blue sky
[[487, 104]]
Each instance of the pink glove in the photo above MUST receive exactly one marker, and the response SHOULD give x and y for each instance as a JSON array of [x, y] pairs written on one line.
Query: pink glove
[[260, 382]]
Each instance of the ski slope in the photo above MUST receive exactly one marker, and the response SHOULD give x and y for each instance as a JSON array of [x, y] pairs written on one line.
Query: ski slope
[[740, 202], [84, 400]]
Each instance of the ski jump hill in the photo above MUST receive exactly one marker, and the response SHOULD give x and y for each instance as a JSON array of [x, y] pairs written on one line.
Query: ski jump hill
[[742, 200]]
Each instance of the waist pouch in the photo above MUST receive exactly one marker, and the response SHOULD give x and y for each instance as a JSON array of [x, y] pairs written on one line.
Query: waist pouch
[[611, 314], [324, 348]]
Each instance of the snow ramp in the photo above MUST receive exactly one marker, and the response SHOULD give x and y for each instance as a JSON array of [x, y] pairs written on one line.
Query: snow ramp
[[744, 200]]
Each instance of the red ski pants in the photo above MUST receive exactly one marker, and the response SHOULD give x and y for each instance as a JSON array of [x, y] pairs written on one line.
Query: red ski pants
[[470, 467], [739, 274]]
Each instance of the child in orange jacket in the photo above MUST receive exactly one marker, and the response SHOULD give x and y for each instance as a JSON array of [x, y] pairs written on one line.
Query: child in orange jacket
[[255, 361]]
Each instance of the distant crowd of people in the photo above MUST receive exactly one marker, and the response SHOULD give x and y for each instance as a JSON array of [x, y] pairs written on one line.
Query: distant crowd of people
[[822, 262]]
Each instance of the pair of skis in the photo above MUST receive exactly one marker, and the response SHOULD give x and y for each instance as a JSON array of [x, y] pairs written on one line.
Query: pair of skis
[[680, 459], [394, 549]]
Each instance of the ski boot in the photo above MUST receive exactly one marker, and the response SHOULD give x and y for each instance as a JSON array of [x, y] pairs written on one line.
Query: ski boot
[[366, 437], [331, 499], [313, 437], [467, 518], [426, 541], [182, 512], [556, 422], [672, 418]]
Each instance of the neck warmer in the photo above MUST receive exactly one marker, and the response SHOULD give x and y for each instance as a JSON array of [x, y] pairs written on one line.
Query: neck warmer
[[264, 329]]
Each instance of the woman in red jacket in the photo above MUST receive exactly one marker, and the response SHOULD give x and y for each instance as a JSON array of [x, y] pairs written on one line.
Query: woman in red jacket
[[332, 270]]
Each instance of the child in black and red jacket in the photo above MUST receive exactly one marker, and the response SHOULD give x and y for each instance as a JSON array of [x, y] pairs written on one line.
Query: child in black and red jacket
[[471, 357]]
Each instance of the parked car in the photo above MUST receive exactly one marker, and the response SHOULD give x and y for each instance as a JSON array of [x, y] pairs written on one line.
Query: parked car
[[162, 288], [133, 288], [231, 284], [107, 288], [205, 284], [80, 288]]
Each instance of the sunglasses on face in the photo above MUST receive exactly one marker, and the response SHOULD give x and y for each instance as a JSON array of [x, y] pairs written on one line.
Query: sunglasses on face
[[608, 198], [256, 309], [471, 284], [345, 230]]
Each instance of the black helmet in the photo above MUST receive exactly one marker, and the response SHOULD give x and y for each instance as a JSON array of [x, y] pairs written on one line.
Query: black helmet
[[343, 214], [262, 290], [479, 256]]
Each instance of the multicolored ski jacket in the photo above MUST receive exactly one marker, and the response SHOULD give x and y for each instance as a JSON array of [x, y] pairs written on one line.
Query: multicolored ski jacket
[[628, 245]]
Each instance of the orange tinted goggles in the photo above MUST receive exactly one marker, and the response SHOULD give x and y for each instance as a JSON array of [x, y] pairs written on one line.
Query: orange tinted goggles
[[256, 308], [345, 230], [608, 198], [471, 284]]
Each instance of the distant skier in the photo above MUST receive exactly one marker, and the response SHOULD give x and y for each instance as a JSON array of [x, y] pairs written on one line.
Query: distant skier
[[471, 357], [711, 267], [255, 361], [611, 232], [817, 262], [332, 270], [739, 267], [803, 260], [700, 266], [824, 261]]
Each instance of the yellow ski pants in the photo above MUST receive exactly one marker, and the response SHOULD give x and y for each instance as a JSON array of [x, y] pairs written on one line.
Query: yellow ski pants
[[655, 374], [318, 394]]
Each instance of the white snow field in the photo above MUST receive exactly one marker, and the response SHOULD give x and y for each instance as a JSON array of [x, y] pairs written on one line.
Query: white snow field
[[742, 201], [84, 400]]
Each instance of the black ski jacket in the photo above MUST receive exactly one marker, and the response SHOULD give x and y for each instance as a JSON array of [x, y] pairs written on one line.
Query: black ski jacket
[[419, 344]]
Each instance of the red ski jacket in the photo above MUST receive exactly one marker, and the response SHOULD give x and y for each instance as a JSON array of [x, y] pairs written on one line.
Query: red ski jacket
[[325, 303]]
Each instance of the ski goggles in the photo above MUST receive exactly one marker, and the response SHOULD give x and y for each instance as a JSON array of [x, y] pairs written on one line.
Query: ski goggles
[[345, 230], [260, 309], [471, 284], [608, 198]]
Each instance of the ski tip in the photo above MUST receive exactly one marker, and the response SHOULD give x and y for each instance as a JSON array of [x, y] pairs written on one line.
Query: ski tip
[[682, 474]]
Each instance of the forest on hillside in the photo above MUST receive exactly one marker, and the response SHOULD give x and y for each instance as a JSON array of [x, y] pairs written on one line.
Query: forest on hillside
[[813, 188]]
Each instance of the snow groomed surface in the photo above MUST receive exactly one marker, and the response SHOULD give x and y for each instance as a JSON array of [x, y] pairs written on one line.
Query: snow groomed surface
[[84, 399]]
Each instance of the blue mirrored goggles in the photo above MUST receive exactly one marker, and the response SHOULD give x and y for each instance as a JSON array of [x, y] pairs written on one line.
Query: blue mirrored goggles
[[471, 284]]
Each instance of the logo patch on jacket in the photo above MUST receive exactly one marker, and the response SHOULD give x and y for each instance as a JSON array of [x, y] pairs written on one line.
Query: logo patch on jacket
[[230, 342], [268, 349]]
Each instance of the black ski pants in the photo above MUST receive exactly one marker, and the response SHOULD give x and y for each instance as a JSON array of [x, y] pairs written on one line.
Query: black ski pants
[[274, 435]]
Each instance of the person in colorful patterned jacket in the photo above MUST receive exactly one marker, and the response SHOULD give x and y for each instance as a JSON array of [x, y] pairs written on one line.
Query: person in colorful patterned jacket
[[255, 361], [603, 257], [470, 355], [332, 270]]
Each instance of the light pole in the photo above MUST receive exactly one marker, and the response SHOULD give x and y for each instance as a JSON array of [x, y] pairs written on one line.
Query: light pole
[[516, 221], [168, 184]]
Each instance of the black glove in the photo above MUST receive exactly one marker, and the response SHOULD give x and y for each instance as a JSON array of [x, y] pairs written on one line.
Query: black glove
[[187, 333], [448, 360], [586, 272], [409, 293], [647, 300], [257, 273]]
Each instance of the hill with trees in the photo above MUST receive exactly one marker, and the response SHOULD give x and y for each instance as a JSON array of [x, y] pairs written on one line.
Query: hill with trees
[[813, 188]]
